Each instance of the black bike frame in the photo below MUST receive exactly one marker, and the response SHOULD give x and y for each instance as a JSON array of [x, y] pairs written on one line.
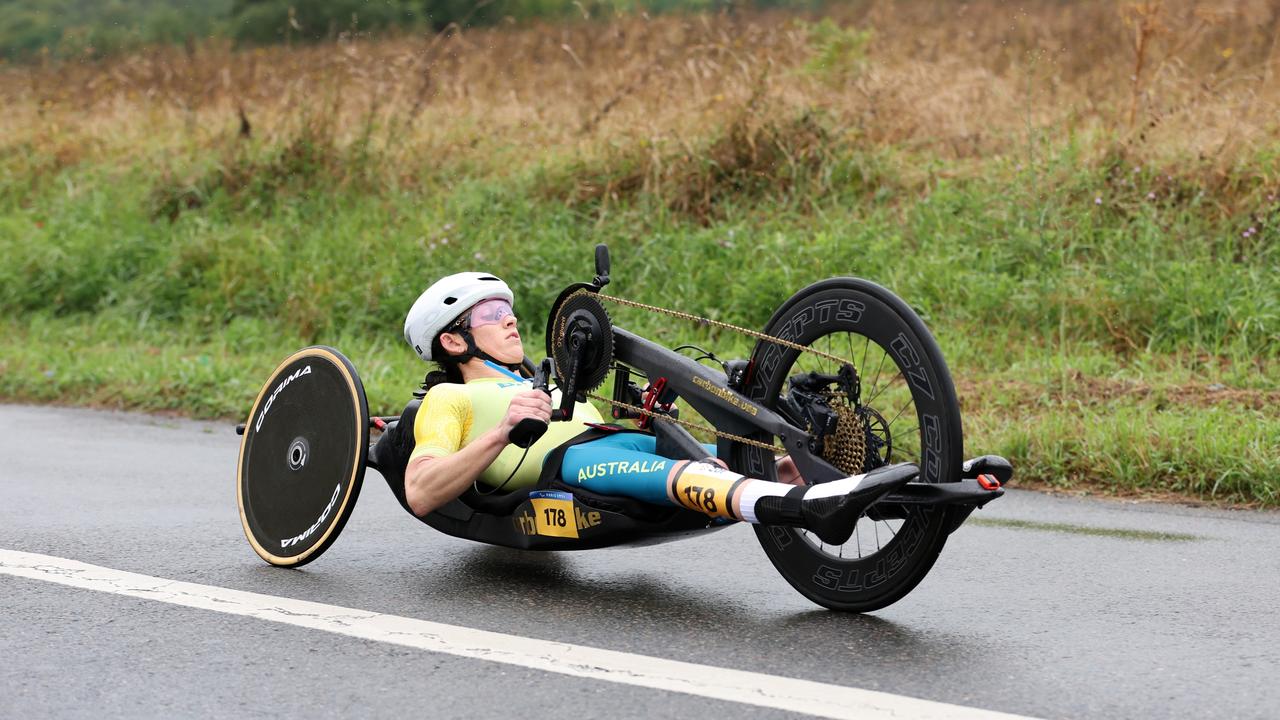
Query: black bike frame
[[706, 390]]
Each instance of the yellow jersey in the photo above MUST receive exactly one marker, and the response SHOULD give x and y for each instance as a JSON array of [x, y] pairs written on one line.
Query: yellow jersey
[[453, 415]]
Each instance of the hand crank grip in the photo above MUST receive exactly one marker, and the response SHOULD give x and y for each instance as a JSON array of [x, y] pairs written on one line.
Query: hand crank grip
[[529, 430], [526, 432], [602, 266]]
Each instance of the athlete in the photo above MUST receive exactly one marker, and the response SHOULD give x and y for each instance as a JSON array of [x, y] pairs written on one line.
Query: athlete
[[465, 322]]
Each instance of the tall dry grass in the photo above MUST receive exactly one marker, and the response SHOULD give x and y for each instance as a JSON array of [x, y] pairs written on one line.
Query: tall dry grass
[[1161, 81], [1169, 281]]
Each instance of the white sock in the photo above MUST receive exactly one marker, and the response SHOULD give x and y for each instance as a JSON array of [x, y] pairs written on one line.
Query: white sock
[[756, 489], [835, 487], [753, 491]]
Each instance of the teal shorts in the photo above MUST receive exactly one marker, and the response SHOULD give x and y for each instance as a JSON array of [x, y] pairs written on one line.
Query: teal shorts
[[625, 463]]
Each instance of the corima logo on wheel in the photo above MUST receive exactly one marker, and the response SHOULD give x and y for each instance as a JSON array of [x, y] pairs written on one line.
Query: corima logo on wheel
[[283, 383], [337, 489]]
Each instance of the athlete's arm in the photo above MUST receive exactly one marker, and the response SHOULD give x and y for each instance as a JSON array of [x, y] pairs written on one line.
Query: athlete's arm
[[431, 481]]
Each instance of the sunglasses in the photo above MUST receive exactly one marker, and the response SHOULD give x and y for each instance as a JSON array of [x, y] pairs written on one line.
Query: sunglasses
[[487, 312]]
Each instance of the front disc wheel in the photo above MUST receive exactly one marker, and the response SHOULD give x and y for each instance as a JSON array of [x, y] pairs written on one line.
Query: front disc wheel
[[902, 407]]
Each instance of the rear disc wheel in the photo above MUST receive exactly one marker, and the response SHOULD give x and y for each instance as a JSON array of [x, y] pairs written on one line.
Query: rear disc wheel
[[302, 457]]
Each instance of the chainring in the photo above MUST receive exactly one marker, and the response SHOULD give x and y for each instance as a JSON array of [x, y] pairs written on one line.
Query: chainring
[[576, 314]]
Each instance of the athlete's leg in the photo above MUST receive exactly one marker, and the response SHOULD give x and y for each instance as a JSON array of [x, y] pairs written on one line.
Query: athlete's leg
[[610, 467], [645, 443], [621, 465]]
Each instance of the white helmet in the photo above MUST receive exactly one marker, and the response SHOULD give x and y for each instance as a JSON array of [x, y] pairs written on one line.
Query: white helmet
[[444, 301]]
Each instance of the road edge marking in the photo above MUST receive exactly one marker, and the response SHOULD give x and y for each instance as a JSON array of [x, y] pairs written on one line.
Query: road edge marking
[[738, 686]]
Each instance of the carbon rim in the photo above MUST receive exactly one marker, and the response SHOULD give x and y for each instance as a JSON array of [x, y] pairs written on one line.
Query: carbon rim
[[302, 457], [885, 558]]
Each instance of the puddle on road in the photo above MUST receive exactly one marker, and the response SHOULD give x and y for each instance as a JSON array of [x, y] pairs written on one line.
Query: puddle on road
[[1084, 530]]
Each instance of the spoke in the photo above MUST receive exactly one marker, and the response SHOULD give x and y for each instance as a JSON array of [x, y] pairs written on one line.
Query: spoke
[[904, 441], [895, 417], [863, 365], [875, 383], [878, 368], [886, 387]]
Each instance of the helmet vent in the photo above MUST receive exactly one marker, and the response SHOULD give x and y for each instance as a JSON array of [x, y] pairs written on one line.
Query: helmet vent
[[490, 277], [450, 300]]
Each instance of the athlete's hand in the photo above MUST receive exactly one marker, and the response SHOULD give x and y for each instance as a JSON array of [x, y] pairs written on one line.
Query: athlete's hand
[[528, 404]]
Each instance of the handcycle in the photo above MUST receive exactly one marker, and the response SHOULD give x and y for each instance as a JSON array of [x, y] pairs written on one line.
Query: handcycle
[[844, 378]]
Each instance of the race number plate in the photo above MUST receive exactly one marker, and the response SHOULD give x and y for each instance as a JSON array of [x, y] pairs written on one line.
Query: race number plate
[[553, 513]]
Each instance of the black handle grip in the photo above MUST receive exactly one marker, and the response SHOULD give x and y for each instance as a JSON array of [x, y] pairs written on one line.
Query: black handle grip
[[602, 265], [526, 432]]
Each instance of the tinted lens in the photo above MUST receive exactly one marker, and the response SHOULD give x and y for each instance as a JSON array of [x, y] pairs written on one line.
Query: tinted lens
[[490, 312]]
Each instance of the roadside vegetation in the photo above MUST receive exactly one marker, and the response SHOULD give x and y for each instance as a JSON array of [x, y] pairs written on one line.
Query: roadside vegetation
[[1082, 200], [40, 30]]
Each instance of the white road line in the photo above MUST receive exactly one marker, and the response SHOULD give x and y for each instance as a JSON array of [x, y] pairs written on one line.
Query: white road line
[[800, 696]]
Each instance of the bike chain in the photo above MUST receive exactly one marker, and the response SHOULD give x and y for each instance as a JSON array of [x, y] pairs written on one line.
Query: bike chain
[[705, 322], [687, 424], [719, 324]]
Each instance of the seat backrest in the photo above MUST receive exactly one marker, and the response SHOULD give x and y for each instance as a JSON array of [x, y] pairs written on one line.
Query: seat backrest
[[392, 451]]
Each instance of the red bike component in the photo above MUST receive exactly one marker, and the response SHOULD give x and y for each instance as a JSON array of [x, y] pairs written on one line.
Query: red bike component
[[988, 482], [651, 400]]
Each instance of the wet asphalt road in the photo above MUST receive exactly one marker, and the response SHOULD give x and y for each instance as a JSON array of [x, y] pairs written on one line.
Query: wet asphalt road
[[1054, 623]]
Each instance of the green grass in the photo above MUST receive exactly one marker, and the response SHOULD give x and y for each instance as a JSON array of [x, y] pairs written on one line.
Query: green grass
[[1082, 334], [969, 256], [112, 360], [1124, 448]]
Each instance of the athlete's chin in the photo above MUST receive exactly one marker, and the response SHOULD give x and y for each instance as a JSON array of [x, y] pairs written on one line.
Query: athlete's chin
[[511, 355]]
